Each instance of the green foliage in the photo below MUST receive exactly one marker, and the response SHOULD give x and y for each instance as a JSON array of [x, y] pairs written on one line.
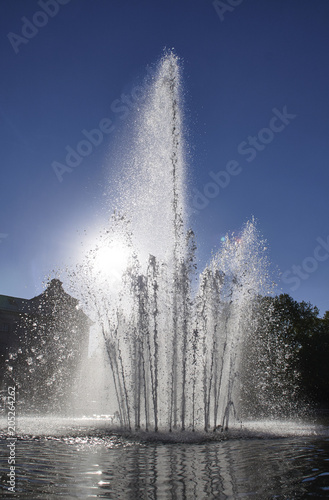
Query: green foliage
[[270, 380], [314, 364], [308, 335], [286, 354], [297, 335]]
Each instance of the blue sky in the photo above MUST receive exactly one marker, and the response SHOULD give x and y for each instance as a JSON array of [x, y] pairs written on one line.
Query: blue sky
[[256, 79]]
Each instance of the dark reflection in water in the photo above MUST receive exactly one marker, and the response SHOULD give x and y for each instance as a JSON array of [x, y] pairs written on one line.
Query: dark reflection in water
[[112, 467]]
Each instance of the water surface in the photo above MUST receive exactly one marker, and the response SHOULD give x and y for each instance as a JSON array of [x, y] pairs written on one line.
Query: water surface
[[91, 462]]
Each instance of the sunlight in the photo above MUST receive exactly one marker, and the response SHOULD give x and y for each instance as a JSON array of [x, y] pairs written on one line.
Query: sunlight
[[111, 261]]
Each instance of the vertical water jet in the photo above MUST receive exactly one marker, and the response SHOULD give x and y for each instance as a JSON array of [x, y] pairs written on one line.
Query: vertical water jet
[[174, 351]]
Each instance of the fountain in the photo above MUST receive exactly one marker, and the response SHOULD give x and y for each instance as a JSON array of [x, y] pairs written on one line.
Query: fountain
[[174, 340], [189, 352]]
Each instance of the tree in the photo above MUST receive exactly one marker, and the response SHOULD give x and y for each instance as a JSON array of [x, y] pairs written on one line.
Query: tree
[[287, 369], [270, 379], [314, 364]]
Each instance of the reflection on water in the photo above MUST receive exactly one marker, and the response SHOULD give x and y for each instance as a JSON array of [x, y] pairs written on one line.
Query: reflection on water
[[113, 467]]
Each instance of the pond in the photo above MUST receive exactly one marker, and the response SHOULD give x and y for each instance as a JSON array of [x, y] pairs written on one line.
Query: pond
[[83, 459]]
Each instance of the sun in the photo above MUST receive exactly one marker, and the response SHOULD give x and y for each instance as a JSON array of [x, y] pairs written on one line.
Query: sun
[[110, 261]]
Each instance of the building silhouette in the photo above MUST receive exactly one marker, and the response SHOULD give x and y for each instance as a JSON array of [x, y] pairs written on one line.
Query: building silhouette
[[43, 341]]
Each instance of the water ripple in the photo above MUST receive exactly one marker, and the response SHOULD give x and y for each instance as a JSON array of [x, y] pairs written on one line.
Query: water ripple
[[110, 468]]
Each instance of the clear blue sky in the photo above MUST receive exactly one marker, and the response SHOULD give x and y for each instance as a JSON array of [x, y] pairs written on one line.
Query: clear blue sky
[[66, 65]]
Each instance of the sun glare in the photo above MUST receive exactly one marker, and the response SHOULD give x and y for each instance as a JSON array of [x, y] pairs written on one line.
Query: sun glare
[[111, 261]]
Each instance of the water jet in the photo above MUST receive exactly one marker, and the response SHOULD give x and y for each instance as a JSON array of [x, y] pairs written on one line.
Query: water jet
[[174, 346]]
